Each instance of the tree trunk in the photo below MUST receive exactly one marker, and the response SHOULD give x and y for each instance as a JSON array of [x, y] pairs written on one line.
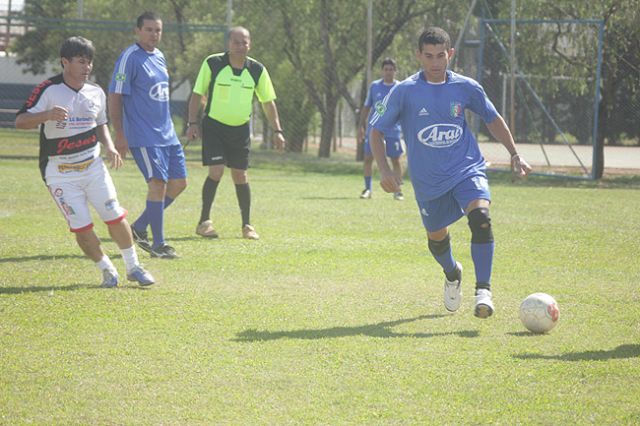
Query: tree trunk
[[295, 139], [328, 126]]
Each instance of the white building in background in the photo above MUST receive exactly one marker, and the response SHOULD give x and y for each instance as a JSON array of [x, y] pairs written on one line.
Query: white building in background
[[12, 73]]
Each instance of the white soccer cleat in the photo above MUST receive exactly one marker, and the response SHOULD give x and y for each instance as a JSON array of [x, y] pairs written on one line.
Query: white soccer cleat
[[453, 291], [484, 304], [366, 194], [141, 276], [110, 278]]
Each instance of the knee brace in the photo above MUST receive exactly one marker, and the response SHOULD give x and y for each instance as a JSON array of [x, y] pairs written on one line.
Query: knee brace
[[480, 225], [438, 248]]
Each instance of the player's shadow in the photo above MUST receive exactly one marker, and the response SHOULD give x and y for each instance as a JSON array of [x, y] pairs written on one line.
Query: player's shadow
[[71, 287], [381, 329], [169, 240], [43, 289], [327, 198], [41, 257], [621, 352]]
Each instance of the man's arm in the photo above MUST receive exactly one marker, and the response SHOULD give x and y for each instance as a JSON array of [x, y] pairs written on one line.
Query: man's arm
[[271, 111], [113, 156], [362, 126], [389, 181], [499, 130], [31, 120], [115, 116], [195, 104]]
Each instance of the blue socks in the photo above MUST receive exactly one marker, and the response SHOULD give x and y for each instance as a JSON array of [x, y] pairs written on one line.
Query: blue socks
[[482, 255], [447, 262], [367, 182], [441, 251], [167, 201], [153, 215], [143, 221]]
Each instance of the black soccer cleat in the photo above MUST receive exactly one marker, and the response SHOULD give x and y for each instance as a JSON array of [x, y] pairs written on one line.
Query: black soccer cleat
[[164, 252], [141, 238]]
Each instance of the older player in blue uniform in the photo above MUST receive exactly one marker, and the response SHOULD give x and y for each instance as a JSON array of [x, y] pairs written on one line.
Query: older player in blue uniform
[[139, 111], [447, 168], [378, 90]]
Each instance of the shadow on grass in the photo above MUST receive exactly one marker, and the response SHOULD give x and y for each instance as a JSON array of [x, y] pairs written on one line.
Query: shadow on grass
[[381, 329], [41, 257], [70, 287], [168, 239], [40, 289], [621, 352], [328, 198]]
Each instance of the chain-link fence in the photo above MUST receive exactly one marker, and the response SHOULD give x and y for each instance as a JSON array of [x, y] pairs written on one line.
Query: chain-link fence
[[553, 111], [36, 42], [316, 54]]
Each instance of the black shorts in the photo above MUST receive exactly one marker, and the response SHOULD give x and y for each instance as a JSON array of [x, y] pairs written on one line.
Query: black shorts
[[222, 144]]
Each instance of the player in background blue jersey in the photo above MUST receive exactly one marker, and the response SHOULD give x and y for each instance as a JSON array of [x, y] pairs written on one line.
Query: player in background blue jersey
[[377, 92], [140, 114], [447, 168]]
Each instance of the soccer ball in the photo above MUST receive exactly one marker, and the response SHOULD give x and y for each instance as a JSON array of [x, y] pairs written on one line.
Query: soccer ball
[[539, 312]]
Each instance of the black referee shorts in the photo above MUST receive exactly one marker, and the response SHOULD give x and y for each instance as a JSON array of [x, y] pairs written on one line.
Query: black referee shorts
[[222, 144]]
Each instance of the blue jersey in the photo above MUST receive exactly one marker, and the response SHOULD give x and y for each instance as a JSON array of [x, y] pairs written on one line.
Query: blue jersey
[[377, 92], [441, 150], [142, 79]]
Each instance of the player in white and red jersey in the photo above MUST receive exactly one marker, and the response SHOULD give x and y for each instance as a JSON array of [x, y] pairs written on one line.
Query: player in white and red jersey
[[71, 114]]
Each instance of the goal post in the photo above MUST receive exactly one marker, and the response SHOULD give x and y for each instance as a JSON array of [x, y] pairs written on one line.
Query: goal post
[[557, 91]]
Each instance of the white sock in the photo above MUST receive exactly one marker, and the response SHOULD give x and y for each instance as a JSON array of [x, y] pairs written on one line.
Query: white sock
[[105, 263], [130, 258]]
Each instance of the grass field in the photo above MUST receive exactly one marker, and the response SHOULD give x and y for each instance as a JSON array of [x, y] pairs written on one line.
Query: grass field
[[334, 317]]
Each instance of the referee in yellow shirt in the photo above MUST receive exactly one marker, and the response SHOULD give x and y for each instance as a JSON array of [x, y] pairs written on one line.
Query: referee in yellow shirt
[[225, 87]]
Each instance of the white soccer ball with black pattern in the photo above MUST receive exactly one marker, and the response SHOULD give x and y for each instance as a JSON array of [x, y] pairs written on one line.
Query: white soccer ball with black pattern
[[539, 312]]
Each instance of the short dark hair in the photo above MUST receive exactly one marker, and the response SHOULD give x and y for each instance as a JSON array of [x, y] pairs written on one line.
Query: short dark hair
[[77, 46], [389, 61], [434, 35], [147, 16], [237, 29]]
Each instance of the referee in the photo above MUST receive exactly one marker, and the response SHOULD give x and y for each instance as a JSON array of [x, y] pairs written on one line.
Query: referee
[[225, 87]]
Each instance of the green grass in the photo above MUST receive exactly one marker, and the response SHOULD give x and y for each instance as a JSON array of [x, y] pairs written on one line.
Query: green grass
[[333, 317]]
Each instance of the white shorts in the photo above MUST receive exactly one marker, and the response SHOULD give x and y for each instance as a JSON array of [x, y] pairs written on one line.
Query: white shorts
[[74, 191]]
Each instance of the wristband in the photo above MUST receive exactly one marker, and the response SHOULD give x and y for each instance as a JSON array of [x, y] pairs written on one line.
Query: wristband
[[279, 131]]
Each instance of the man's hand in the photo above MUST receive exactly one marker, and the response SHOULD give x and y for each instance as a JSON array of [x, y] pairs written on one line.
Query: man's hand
[[193, 131], [122, 145], [58, 113], [278, 141], [389, 181], [113, 157], [519, 166]]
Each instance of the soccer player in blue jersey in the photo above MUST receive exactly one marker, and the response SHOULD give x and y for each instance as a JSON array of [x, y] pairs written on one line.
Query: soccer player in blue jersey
[[447, 168], [377, 91], [139, 111]]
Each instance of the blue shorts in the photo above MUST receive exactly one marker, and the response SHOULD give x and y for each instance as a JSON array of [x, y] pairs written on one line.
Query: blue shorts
[[160, 162], [446, 209], [393, 147]]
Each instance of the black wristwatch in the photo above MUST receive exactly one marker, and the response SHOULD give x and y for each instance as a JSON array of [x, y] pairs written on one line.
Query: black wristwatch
[[279, 131]]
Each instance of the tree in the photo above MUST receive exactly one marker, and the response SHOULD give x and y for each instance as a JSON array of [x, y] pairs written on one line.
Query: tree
[[110, 25], [325, 43]]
